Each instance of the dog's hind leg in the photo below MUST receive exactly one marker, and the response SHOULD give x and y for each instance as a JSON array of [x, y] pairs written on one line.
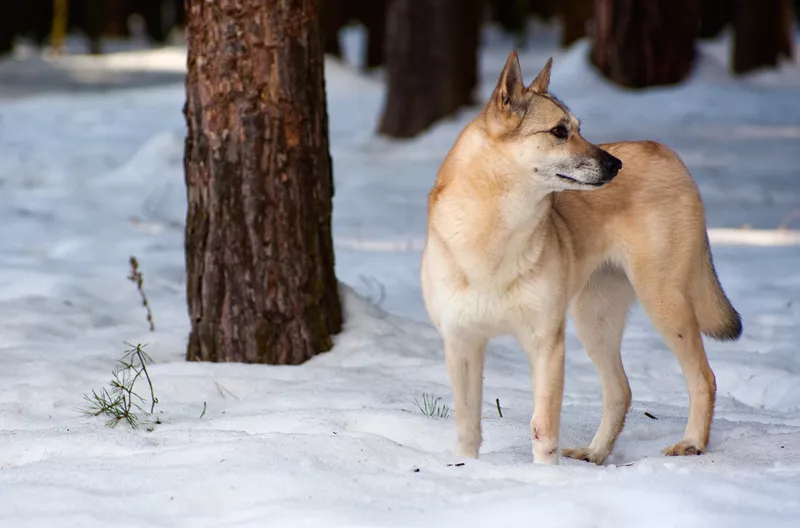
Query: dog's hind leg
[[599, 311], [464, 357], [667, 302]]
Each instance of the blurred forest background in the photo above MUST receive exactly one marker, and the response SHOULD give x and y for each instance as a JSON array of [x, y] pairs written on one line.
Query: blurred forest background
[[429, 47]]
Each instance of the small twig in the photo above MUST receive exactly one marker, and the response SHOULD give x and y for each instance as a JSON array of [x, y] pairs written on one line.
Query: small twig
[[137, 278], [222, 390], [143, 360], [369, 282], [499, 410], [650, 416], [204, 410]]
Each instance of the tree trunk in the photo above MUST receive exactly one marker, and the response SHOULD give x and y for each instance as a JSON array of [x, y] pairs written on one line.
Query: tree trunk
[[574, 15], [762, 33], [10, 25], [333, 18], [374, 15], [152, 14], [509, 14], [431, 52], [645, 43], [714, 16], [259, 253]]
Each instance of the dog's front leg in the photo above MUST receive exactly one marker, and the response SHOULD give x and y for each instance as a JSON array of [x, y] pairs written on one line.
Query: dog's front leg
[[464, 356], [545, 350]]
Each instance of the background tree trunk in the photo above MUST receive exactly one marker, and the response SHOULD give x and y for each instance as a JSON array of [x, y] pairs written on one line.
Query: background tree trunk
[[431, 62], [10, 25], [762, 33], [467, 34], [645, 43], [373, 13], [574, 15], [332, 15], [259, 254], [714, 16]]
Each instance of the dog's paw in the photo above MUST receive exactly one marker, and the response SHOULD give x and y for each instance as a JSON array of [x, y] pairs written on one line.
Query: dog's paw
[[585, 454], [684, 448]]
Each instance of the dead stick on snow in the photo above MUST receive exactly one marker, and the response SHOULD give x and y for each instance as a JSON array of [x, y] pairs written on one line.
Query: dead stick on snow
[[137, 278]]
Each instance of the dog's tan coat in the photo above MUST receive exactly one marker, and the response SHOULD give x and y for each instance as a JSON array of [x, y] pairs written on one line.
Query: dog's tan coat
[[514, 241]]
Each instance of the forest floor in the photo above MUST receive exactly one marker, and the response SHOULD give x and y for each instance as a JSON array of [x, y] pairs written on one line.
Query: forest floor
[[89, 177]]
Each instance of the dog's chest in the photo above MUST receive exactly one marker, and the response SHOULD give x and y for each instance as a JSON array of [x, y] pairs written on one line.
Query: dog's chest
[[493, 309]]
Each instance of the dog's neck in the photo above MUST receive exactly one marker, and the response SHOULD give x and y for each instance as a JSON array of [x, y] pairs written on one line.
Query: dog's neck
[[492, 223]]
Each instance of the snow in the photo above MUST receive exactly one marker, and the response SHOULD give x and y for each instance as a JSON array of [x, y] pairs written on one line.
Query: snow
[[88, 179]]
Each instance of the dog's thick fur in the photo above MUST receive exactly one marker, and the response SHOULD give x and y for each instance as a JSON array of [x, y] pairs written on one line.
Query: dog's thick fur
[[528, 219]]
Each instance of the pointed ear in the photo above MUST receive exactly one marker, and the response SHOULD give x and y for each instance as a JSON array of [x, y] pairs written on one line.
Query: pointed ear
[[510, 87], [542, 81]]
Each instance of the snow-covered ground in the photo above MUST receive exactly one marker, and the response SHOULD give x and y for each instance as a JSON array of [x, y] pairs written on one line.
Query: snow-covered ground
[[86, 180]]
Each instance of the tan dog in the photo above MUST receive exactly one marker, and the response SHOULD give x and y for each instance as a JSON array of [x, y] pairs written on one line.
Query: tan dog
[[526, 219]]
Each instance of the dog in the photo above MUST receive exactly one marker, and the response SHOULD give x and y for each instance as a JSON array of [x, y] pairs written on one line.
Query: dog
[[527, 219]]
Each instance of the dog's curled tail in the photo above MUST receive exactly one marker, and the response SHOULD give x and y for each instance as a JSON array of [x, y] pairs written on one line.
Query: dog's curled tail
[[717, 317]]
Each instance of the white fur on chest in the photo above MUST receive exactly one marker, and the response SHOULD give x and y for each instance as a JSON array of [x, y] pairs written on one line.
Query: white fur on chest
[[491, 304]]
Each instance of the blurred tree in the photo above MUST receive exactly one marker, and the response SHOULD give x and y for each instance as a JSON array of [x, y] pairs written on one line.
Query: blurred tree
[[574, 16], [640, 43], [513, 15], [714, 16], [152, 12], [544, 9], [10, 26], [334, 16], [762, 33], [259, 254], [431, 62], [371, 13]]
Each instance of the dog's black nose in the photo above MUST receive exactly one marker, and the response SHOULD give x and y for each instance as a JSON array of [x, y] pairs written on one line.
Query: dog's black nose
[[611, 165]]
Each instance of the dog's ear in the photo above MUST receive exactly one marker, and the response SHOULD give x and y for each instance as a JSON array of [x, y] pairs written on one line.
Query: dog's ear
[[510, 89], [542, 81]]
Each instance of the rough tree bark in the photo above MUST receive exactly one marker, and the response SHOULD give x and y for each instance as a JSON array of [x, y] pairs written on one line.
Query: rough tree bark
[[762, 33], [431, 62], [259, 254], [645, 43]]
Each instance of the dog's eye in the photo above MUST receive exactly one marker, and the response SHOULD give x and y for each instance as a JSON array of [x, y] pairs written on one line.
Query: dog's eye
[[560, 132]]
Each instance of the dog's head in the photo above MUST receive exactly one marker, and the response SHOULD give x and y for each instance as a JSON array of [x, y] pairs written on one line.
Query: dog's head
[[539, 136]]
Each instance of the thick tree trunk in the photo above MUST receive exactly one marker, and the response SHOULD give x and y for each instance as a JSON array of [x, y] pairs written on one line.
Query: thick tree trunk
[[259, 253], [431, 53], [762, 33], [574, 15], [645, 43]]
